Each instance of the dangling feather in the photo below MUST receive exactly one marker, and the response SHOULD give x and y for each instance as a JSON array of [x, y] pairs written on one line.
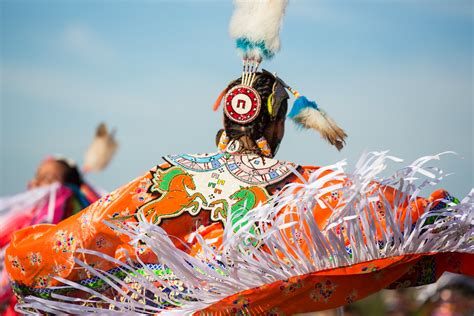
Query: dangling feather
[[255, 26], [101, 151], [307, 114]]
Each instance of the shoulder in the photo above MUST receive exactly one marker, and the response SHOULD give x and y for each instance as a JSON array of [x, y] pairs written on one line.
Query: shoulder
[[249, 169]]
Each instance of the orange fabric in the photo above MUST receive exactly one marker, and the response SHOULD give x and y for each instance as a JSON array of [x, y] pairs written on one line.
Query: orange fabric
[[341, 286], [38, 253], [316, 291]]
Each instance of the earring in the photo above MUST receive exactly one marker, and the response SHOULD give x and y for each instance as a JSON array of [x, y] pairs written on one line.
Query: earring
[[223, 142]]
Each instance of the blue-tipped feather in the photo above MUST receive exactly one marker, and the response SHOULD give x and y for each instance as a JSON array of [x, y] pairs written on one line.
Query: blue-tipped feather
[[301, 103], [243, 44], [246, 46], [307, 114]]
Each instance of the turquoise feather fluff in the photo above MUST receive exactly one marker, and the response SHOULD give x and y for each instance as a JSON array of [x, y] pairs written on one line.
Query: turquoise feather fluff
[[255, 26]]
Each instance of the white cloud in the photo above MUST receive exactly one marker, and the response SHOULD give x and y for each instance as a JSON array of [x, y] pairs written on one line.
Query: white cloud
[[69, 90], [82, 42]]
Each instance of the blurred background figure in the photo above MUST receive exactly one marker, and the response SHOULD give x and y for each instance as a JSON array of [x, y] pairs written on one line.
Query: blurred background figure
[[56, 192], [451, 295], [101, 151]]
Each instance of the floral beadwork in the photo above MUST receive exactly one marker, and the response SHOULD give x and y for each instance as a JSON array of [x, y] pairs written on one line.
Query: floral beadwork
[[59, 268], [423, 272], [351, 298], [239, 305], [15, 262], [119, 219], [339, 230], [288, 286], [371, 267], [323, 291], [86, 222], [101, 242], [380, 209], [64, 242], [335, 196], [41, 281], [35, 258], [85, 219], [299, 237], [140, 194], [108, 198]]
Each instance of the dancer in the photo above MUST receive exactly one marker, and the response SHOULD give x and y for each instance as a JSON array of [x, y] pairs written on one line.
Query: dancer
[[239, 232], [56, 192]]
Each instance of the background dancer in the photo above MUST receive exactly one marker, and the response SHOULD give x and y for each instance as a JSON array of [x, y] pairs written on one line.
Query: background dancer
[[56, 192]]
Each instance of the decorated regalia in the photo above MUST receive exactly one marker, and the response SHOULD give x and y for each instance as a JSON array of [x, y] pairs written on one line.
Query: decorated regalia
[[45, 204], [240, 232], [57, 192]]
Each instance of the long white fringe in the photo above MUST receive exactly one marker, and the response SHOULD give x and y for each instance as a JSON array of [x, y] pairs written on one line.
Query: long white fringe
[[11, 207], [239, 265]]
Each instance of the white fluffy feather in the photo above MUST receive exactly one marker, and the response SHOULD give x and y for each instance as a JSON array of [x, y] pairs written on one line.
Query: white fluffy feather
[[320, 121], [258, 20]]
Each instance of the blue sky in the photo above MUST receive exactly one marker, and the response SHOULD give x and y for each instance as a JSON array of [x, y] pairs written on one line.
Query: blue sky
[[396, 75]]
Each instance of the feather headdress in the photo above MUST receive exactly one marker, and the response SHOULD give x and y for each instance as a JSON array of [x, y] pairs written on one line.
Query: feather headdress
[[255, 26]]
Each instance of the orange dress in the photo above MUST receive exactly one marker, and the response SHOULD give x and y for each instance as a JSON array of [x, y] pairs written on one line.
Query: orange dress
[[309, 240], [48, 204]]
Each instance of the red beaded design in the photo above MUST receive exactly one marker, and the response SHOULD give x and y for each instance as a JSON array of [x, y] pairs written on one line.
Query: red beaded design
[[242, 104]]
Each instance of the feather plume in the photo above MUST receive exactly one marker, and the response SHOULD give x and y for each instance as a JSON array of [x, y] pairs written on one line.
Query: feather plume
[[255, 25], [101, 151], [307, 114]]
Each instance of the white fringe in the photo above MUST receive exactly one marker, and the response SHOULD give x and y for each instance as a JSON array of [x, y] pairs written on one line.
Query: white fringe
[[206, 280], [12, 205]]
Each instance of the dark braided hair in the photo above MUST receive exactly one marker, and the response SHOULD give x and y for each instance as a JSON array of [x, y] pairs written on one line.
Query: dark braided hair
[[254, 130]]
